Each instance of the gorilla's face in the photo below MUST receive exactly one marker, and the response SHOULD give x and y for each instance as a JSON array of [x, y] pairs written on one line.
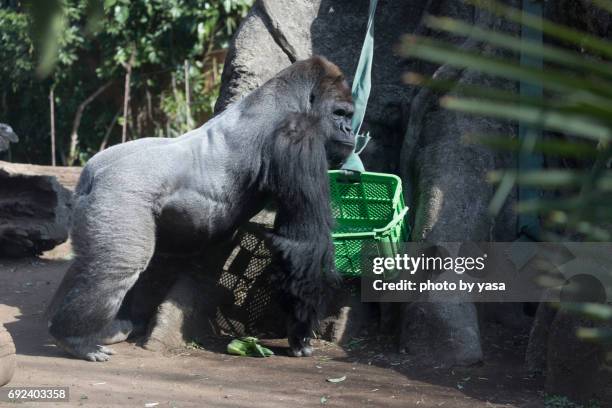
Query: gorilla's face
[[333, 103], [341, 142]]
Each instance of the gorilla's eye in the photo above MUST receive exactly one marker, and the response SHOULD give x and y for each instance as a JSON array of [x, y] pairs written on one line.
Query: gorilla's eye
[[340, 112]]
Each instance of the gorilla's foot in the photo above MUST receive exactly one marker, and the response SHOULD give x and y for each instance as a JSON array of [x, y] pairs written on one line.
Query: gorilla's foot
[[116, 332], [84, 348], [300, 347]]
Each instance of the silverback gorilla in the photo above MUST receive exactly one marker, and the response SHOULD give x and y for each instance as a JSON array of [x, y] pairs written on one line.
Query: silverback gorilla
[[175, 194]]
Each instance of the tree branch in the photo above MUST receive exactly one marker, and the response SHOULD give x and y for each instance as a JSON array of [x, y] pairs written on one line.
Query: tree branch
[[74, 135]]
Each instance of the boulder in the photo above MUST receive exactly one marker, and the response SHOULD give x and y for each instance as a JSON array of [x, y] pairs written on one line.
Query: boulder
[[577, 368], [276, 34], [229, 293], [7, 356], [34, 210], [412, 135]]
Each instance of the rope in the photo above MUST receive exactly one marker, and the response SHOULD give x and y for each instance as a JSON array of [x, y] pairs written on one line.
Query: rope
[[362, 83]]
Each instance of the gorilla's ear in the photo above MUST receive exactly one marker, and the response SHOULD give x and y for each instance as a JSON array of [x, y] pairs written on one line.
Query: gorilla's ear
[[298, 127]]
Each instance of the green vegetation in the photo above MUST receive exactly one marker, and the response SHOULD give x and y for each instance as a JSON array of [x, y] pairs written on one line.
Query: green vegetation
[[574, 115], [557, 401], [248, 346], [83, 52]]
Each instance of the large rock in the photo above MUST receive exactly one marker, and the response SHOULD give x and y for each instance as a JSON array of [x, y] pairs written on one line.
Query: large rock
[[577, 368], [7, 356], [277, 33], [228, 290], [445, 180], [412, 135], [34, 210]]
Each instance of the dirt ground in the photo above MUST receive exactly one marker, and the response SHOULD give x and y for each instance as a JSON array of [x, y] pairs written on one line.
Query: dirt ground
[[207, 377]]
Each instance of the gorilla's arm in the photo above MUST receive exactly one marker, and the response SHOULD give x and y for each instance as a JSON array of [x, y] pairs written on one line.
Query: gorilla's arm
[[301, 243]]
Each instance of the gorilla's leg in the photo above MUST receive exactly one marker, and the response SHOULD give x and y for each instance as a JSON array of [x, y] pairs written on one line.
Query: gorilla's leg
[[304, 269], [86, 319], [300, 336], [116, 332], [123, 325], [109, 258]]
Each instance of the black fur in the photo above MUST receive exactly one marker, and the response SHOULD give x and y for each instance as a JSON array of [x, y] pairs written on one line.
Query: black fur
[[301, 244]]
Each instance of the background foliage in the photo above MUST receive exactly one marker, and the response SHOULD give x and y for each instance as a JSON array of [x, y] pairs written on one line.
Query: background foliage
[[76, 47]]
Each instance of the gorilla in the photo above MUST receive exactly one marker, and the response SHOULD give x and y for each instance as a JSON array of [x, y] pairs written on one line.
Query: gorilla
[[182, 195]]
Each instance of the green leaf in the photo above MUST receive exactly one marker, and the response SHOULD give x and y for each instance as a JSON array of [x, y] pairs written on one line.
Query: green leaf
[[122, 13], [585, 90], [598, 207], [593, 311], [95, 14], [549, 119], [237, 347], [595, 334], [534, 48], [604, 4], [501, 194], [567, 34], [443, 85], [554, 178], [601, 112], [248, 346], [551, 147]]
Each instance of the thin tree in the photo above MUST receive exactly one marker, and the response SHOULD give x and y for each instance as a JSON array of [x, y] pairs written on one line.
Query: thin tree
[[74, 135], [187, 95], [109, 130], [126, 95], [52, 119]]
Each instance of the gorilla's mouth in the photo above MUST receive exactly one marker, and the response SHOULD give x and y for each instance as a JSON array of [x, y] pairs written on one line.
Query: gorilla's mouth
[[351, 145], [336, 164], [343, 144], [341, 154]]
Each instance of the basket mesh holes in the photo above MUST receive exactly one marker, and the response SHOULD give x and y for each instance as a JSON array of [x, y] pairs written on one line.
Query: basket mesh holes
[[246, 275], [361, 207], [378, 190]]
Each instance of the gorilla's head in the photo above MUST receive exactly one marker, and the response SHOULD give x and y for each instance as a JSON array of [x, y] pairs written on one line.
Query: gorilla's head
[[319, 88], [331, 100]]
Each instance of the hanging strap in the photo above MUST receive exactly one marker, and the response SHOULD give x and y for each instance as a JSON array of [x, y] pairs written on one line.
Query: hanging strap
[[362, 84], [528, 224]]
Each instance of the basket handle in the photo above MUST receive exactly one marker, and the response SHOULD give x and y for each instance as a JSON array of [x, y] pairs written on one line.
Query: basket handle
[[378, 232], [349, 176]]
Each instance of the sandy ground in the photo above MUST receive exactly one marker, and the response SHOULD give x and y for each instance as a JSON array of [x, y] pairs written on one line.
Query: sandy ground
[[207, 377]]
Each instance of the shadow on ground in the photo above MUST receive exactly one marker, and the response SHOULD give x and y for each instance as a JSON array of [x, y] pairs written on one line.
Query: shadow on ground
[[375, 374]]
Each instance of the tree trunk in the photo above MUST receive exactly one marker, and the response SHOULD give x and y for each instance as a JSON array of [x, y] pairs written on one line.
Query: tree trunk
[[52, 118], [74, 135], [187, 96], [109, 130], [126, 97]]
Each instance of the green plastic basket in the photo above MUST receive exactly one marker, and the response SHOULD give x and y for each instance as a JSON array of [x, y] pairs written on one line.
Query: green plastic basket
[[370, 214]]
